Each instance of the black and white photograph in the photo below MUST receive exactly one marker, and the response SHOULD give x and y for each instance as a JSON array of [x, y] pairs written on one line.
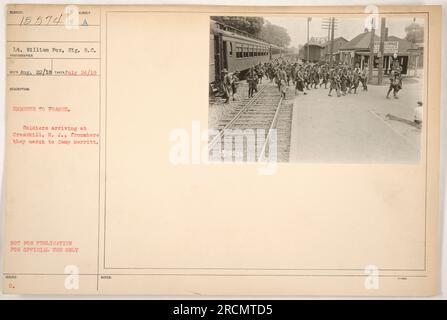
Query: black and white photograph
[[345, 89]]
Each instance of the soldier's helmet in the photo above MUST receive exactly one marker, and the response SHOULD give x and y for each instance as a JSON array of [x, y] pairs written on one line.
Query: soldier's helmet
[[224, 70]]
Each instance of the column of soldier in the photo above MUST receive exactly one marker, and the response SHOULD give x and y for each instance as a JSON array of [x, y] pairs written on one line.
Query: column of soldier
[[341, 78]]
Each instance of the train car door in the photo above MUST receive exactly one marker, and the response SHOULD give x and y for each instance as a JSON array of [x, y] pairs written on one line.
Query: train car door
[[218, 56], [225, 54]]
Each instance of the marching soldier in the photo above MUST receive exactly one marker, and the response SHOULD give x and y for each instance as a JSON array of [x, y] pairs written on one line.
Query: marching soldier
[[226, 85], [288, 74], [325, 77], [335, 83], [234, 83], [299, 82], [364, 78], [259, 72], [252, 80], [355, 79], [343, 82], [315, 77], [395, 84]]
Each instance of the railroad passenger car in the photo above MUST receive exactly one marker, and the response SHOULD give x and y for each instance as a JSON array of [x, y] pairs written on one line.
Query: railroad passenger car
[[233, 50]]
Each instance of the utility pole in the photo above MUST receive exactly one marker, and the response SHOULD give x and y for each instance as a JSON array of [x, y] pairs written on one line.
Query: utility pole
[[371, 51], [331, 25], [326, 24], [309, 19], [381, 49], [414, 45], [329, 39], [332, 40]]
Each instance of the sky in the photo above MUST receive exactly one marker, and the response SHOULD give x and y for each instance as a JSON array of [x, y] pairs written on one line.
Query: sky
[[347, 27]]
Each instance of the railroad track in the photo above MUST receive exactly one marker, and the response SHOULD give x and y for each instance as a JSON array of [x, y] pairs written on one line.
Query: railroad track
[[252, 121]]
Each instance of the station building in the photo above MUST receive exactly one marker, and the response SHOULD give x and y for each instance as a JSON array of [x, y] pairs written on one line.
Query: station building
[[357, 51]]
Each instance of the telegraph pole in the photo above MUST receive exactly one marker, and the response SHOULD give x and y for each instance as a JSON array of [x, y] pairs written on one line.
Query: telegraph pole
[[326, 24], [331, 25], [381, 49], [308, 24], [332, 39], [416, 57], [371, 52]]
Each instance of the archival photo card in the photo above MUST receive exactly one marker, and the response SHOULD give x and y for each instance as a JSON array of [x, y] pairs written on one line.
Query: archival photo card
[[222, 150], [343, 88]]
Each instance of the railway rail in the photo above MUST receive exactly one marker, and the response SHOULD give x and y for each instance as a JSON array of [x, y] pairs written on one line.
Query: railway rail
[[252, 121]]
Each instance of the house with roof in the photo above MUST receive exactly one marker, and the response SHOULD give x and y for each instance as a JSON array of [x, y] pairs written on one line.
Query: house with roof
[[357, 51], [326, 51], [352, 52], [314, 52]]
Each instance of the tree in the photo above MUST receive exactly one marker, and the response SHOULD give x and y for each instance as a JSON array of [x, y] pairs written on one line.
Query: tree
[[275, 34], [252, 25], [415, 32], [257, 27]]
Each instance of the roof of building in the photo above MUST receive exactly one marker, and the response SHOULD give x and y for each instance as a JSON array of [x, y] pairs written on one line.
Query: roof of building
[[362, 41], [336, 39], [314, 44], [404, 45]]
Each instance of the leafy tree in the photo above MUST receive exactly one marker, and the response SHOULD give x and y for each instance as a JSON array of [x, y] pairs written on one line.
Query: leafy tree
[[252, 25], [415, 32], [275, 34], [258, 27]]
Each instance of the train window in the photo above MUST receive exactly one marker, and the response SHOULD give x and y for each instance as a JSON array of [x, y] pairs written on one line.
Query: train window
[[231, 48], [246, 51], [239, 52], [251, 51]]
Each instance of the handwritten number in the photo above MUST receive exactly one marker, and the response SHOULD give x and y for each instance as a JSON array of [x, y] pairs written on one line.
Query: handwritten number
[[39, 20]]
